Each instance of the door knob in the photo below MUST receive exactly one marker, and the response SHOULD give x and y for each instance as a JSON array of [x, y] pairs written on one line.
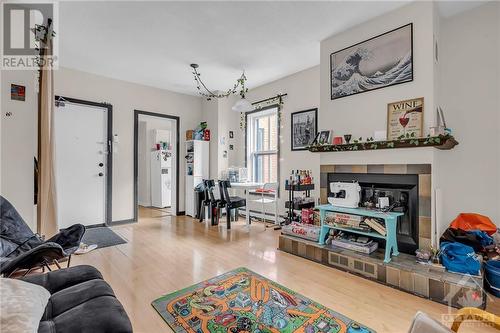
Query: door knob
[[101, 164], [101, 174]]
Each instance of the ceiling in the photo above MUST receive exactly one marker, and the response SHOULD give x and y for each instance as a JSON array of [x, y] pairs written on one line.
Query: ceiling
[[153, 43]]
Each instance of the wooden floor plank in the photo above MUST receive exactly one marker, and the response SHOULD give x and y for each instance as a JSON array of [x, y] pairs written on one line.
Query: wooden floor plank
[[166, 253]]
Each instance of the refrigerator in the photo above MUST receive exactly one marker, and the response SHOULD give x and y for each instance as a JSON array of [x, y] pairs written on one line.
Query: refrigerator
[[161, 178]]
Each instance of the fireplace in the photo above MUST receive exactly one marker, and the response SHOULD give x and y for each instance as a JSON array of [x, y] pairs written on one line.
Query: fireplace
[[402, 188]]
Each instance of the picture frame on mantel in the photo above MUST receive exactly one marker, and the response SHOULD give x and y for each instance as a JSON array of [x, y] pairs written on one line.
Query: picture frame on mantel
[[304, 128], [381, 61], [325, 137], [405, 118]]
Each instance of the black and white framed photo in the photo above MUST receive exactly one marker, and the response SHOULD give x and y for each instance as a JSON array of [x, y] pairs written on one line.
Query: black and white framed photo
[[231, 134], [304, 128], [378, 62], [325, 138]]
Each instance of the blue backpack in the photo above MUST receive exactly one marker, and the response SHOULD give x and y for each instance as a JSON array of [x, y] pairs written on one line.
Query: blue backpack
[[459, 258]]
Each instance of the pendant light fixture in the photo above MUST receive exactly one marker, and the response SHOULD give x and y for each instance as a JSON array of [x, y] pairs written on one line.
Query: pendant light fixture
[[242, 105]]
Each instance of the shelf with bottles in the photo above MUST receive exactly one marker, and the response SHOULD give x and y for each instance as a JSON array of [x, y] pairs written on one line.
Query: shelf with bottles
[[298, 181]]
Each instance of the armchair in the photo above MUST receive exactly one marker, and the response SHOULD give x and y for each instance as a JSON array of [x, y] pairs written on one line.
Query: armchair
[[21, 248]]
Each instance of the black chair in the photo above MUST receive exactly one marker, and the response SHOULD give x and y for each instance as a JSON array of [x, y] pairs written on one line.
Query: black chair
[[20, 248], [210, 201], [230, 202], [214, 203], [202, 188]]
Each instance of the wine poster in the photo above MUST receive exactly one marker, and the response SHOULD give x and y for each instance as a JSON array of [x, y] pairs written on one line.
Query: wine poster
[[405, 117]]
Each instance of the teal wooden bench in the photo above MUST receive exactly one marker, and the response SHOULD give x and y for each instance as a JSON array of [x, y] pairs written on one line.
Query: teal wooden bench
[[390, 218]]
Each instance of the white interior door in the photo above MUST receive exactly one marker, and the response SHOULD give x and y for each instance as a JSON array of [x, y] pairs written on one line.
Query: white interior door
[[81, 155]]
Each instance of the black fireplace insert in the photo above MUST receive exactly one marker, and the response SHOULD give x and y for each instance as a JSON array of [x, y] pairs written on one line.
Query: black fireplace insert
[[400, 189]]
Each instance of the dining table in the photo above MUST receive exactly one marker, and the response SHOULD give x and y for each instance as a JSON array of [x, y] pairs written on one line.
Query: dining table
[[252, 186]]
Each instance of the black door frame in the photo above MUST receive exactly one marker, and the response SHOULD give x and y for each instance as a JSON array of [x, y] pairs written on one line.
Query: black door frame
[[136, 156], [109, 157]]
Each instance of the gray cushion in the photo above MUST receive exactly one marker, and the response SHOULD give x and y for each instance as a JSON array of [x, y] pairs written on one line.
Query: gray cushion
[[22, 305]]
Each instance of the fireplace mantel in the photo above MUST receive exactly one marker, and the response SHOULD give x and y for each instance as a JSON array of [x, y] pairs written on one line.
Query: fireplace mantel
[[439, 142]]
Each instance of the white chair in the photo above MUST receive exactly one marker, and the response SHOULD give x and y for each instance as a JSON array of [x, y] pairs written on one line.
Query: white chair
[[422, 323], [265, 191]]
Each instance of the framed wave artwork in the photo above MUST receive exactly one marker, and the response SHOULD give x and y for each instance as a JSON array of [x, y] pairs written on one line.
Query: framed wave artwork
[[381, 61]]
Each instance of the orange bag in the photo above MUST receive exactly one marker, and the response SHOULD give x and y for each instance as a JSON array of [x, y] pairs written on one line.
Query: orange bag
[[473, 221]]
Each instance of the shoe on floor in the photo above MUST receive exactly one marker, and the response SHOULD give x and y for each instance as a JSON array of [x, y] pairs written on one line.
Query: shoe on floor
[[84, 248]]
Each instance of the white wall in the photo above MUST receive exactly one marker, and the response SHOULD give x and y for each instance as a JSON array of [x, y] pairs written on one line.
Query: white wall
[[18, 143], [125, 97], [210, 115], [362, 114], [469, 176], [220, 120], [231, 122], [303, 93]]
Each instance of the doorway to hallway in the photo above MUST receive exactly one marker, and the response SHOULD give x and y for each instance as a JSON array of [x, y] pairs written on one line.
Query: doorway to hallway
[[156, 162]]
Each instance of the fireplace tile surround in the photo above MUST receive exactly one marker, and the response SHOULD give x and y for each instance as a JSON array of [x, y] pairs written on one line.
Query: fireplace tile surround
[[402, 272], [424, 188]]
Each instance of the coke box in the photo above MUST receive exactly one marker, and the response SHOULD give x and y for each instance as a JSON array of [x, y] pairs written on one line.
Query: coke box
[[306, 231]]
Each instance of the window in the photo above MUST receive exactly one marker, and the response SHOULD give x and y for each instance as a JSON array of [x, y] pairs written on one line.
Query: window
[[262, 145]]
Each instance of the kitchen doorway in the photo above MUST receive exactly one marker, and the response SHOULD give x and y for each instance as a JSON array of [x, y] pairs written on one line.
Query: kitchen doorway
[[156, 164]]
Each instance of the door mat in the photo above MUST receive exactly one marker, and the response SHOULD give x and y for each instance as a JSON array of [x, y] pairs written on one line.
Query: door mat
[[102, 237], [243, 301]]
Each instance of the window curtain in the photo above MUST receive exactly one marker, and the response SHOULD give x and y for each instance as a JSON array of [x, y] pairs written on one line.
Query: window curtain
[[46, 208]]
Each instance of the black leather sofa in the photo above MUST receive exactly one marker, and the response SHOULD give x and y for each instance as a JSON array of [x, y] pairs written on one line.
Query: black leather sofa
[[80, 301]]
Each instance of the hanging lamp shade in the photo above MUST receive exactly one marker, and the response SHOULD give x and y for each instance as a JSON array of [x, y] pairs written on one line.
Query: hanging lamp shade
[[242, 105]]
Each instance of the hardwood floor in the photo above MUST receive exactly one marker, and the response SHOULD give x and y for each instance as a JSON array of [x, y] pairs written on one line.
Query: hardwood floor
[[166, 253]]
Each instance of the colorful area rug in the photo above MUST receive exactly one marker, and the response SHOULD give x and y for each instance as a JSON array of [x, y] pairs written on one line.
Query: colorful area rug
[[242, 301]]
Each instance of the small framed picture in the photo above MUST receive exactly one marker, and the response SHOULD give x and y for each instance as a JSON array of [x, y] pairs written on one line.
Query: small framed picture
[[231, 134], [17, 92], [325, 137], [304, 128], [231, 147], [405, 117]]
